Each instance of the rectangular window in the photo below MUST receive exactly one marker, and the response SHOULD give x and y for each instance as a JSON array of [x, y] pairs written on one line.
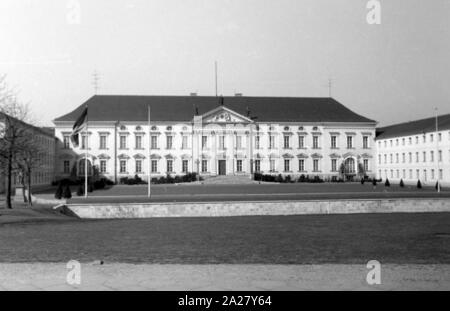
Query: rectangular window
[[315, 142], [154, 142], [239, 166], [431, 139], [222, 142], [287, 165], [417, 174], [154, 166], [66, 141], [417, 157], [366, 165], [239, 142], [257, 165], [184, 142], [410, 174], [103, 166], [424, 156], [272, 165], [366, 142], [83, 142], [301, 165], [185, 165], [169, 140], [410, 157], [204, 166], [440, 155], [396, 158], [123, 142], [440, 137], [169, 166], [333, 165], [315, 165], [432, 156], [103, 142], [441, 174], [349, 142], [272, 142], [66, 167], [123, 166], [379, 159], [403, 158], [257, 142], [301, 142], [410, 141], [287, 140], [138, 142], [138, 166], [333, 142], [204, 142]]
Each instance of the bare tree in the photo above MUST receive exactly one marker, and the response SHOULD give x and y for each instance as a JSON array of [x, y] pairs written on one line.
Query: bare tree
[[13, 116], [28, 158]]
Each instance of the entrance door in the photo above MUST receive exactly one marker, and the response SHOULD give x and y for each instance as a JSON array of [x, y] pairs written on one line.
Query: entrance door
[[222, 167]]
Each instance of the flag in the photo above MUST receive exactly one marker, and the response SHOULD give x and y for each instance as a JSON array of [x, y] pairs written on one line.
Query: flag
[[78, 126]]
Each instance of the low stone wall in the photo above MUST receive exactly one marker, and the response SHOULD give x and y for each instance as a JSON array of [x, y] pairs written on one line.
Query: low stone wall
[[223, 209]]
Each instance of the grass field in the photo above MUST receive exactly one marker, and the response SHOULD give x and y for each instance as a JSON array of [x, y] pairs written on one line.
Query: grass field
[[389, 238], [296, 191]]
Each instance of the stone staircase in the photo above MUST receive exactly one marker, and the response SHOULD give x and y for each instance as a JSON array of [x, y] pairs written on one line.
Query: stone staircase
[[229, 180]]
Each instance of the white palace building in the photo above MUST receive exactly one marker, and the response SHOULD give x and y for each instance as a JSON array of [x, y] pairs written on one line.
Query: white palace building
[[234, 135]]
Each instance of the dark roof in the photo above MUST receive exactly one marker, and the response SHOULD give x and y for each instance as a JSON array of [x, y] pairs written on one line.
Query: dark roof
[[182, 108], [42, 130], [414, 127]]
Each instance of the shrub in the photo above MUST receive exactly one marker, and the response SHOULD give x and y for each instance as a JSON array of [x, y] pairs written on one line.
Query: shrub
[[279, 178], [387, 183], [362, 181], [419, 184], [302, 178], [90, 187], [436, 186], [80, 191], [374, 182], [59, 191], [402, 184], [288, 179], [67, 192]]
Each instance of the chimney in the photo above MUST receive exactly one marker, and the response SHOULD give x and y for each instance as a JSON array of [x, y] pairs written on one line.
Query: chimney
[[193, 94], [238, 94]]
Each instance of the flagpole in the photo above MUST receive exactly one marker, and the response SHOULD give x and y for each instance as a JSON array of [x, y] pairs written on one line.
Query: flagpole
[[437, 151], [149, 193], [86, 156]]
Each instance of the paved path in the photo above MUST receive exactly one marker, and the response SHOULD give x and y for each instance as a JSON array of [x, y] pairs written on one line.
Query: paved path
[[52, 276]]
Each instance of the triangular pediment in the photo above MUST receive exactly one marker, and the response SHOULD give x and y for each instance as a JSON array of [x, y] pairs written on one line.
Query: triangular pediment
[[223, 114]]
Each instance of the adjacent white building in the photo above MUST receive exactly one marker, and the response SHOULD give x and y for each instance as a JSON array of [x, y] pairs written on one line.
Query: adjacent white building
[[216, 136], [415, 151]]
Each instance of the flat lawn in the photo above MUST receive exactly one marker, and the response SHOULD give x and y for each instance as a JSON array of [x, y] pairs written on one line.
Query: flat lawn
[[301, 191], [312, 239]]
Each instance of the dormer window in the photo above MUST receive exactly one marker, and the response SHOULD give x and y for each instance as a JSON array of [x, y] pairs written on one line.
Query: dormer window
[[315, 128], [138, 128], [123, 128], [300, 128], [169, 128], [154, 128], [286, 128]]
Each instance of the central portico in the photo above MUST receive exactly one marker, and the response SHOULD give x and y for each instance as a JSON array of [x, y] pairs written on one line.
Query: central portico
[[222, 142]]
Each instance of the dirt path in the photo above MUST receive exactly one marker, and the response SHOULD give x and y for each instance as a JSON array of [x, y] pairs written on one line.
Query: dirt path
[[53, 276]]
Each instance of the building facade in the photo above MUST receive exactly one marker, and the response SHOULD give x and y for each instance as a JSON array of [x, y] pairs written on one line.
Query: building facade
[[216, 136], [43, 174], [415, 151]]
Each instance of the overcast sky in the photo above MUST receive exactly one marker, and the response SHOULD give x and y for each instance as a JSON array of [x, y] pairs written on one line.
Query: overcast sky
[[393, 72]]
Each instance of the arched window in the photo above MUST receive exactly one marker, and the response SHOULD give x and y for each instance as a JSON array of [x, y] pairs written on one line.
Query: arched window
[[123, 128], [300, 128], [138, 128], [154, 128], [286, 128], [169, 128], [315, 128]]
